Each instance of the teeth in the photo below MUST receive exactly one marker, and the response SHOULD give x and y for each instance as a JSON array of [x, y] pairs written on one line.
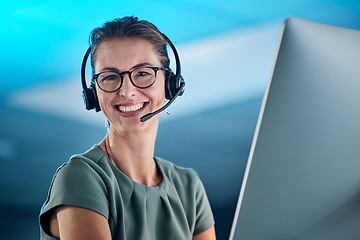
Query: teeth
[[131, 108]]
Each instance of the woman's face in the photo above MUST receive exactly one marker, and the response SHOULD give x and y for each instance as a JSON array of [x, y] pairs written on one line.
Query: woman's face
[[125, 107]]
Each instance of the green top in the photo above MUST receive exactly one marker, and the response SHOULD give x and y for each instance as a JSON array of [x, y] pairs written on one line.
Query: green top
[[178, 208]]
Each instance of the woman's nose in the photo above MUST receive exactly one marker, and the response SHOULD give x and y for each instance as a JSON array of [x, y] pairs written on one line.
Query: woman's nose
[[127, 89]]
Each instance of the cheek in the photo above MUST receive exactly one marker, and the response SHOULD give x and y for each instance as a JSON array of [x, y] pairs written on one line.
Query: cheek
[[156, 93], [159, 93], [102, 98], [161, 87], [156, 96]]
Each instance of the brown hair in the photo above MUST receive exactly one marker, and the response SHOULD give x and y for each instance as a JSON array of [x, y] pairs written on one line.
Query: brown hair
[[129, 27]]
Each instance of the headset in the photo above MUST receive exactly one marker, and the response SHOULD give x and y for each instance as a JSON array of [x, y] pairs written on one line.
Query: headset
[[174, 85]]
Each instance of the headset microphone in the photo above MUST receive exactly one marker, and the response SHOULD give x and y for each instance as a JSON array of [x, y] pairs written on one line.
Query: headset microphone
[[174, 85], [150, 115]]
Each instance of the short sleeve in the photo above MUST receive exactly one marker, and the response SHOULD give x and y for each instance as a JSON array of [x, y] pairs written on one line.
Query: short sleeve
[[204, 216], [75, 184]]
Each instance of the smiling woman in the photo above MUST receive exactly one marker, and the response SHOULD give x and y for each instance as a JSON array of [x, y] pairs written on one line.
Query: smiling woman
[[118, 189], [139, 54]]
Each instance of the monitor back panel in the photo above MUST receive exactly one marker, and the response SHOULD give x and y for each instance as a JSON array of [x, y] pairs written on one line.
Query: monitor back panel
[[305, 157]]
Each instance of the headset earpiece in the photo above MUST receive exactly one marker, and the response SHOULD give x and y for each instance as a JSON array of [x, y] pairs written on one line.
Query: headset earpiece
[[172, 85], [90, 98]]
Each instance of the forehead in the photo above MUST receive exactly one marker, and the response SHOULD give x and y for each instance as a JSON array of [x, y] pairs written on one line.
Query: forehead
[[124, 54]]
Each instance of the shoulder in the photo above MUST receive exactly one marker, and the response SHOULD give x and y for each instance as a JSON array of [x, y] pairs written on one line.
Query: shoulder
[[173, 171], [183, 179], [184, 184], [92, 162], [80, 179], [81, 172], [81, 182]]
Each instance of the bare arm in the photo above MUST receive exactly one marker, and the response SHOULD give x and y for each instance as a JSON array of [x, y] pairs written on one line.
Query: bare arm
[[207, 235], [71, 223], [82, 224]]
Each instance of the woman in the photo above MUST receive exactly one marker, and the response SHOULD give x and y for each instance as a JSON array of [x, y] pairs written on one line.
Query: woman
[[118, 189]]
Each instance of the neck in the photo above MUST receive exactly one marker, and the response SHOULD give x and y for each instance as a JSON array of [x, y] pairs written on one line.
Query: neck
[[133, 154]]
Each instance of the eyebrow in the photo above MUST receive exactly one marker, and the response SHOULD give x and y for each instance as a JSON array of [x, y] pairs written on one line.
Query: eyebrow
[[145, 64]]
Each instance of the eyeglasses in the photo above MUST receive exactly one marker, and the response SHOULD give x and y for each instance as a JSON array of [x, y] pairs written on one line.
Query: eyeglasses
[[142, 77]]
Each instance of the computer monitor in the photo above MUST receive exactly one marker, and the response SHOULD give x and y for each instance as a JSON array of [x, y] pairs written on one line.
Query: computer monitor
[[304, 163]]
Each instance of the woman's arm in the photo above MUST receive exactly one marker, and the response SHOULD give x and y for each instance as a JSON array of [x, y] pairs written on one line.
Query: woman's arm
[[79, 223], [207, 235]]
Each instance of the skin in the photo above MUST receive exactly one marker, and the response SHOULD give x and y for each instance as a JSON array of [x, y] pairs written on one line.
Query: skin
[[134, 140]]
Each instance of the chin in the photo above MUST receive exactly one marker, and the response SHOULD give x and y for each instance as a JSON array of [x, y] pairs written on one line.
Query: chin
[[134, 125]]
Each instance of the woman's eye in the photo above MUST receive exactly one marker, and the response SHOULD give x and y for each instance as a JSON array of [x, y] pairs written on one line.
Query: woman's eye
[[110, 77], [142, 74]]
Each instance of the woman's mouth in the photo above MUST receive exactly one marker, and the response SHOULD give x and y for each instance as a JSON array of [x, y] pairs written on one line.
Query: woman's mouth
[[130, 109]]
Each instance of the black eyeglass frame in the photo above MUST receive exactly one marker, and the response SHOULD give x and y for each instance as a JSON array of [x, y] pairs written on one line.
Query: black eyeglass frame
[[121, 74]]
